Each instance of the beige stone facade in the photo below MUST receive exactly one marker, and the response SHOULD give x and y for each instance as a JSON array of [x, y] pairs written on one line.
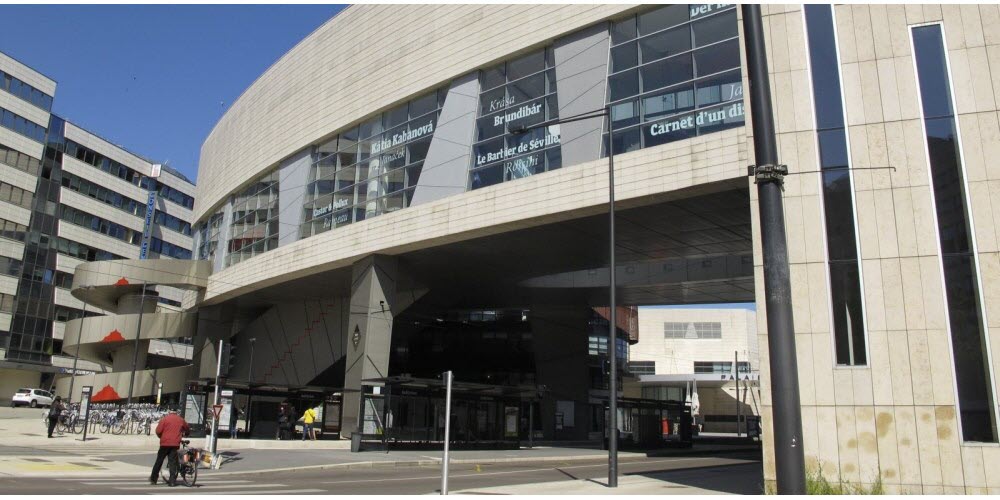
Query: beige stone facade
[[894, 418]]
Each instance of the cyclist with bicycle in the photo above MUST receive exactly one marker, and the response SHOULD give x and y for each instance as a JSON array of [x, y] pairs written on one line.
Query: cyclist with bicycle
[[170, 430], [55, 410]]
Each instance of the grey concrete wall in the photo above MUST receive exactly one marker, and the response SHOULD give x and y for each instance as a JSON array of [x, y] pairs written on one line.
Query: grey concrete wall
[[295, 342], [581, 72], [292, 179], [446, 169]]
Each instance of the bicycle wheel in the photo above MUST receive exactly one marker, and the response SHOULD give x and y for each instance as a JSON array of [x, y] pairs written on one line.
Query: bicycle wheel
[[119, 428], [75, 426], [189, 473], [105, 427]]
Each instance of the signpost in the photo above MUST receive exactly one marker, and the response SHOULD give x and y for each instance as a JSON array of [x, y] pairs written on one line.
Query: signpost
[[447, 431], [85, 408]]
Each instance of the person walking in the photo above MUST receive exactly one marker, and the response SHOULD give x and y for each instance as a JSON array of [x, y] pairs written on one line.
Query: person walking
[[55, 409], [308, 418], [234, 416], [170, 430]]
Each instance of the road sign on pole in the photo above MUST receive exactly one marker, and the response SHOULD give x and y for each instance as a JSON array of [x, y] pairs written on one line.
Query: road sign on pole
[[216, 410]]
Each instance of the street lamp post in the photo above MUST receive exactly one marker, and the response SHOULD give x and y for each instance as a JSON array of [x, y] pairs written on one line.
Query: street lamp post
[[612, 424], [789, 461], [76, 357], [250, 385], [135, 350]]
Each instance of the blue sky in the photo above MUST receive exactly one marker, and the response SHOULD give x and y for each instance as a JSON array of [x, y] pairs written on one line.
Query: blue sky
[[152, 77]]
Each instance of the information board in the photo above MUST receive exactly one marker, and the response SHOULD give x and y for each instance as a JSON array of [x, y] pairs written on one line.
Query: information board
[[194, 409], [226, 400]]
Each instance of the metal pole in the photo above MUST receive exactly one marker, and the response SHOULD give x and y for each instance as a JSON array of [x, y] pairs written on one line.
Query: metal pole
[[736, 376], [215, 420], [250, 387], [788, 456], [447, 431], [531, 424], [76, 357], [135, 347], [612, 325]]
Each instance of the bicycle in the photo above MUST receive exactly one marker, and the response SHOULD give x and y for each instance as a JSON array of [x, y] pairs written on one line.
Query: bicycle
[[187, 464]]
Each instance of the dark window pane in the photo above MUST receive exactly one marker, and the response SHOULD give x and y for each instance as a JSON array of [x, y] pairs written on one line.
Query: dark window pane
[[723, 88], [717, 58], [948, 190], [662, 18], [627, 140], [487, 127], [625, 114], [719, 118], [665, 103], [624, 57], [487, 176], [932, 71], [423, 105], [527, 88], [493, 77], [623, 30], [839, 210], [666, 72], [975, 397], [395, 117], [623, 85], [825, 66], [669, 130], [492, 101], [531, 63], [848, 325], [715, 28], [833, 149], [665, 44]]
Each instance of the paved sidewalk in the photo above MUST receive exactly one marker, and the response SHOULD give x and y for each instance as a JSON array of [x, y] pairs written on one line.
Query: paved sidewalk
[[741, 479]]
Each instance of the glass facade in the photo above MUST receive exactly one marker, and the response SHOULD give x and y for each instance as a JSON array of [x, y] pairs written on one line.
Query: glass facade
[[513, 96], [15, 86], [372, 168], [101, 193], [209, 233], [19, 160], [30, 336], [13, 121], [674, 73], [128, 174], [254, 229], [838, 189], [958, 260]]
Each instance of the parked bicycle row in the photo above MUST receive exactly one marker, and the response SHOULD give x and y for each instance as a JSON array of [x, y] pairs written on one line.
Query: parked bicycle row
[[136, 418]]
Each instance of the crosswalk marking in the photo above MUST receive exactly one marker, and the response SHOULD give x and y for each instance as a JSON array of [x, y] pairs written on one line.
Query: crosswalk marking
[[200, 487], [121, 482], [196, 491]]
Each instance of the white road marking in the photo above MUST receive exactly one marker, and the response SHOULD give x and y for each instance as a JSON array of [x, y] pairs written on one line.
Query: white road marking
[[521, 471], [202, 487], [194, 491]]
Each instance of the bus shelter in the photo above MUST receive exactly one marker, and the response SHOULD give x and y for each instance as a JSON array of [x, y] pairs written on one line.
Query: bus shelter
[[407, 412]]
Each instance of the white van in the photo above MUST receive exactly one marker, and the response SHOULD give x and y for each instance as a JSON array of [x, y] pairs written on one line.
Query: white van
[[31, 397]]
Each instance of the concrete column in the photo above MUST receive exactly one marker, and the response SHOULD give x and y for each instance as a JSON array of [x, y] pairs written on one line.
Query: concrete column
[[369, 333], [560, 337]]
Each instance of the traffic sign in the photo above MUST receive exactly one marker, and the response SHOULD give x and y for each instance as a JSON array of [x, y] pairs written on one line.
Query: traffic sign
[[217, 410]]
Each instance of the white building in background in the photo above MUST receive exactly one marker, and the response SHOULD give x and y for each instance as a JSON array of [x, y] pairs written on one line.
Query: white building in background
[[686, 351]]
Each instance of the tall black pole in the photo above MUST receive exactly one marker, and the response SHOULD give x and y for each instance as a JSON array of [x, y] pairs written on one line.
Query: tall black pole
[[612, 326], [250, 387], [135, 349], [787, 417], [76, 357]]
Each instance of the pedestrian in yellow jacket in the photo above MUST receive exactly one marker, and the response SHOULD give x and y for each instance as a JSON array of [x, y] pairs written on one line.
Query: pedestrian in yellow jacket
[[308, 418]]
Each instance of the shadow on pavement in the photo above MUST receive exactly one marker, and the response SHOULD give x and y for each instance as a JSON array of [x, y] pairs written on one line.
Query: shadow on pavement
[[738, 479]]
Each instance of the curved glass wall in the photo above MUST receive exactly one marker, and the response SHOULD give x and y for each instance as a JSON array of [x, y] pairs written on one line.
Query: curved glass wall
[[254, 229], [674, 73], [513, 96], [370, 169]]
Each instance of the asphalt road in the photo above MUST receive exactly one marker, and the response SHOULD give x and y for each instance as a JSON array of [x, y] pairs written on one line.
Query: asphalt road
[[732, 473]]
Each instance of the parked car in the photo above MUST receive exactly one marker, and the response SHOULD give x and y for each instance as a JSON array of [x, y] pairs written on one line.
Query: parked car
[[32, 397]]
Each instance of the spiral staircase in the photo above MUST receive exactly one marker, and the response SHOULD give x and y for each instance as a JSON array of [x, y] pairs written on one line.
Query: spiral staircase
[[116, 286]]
